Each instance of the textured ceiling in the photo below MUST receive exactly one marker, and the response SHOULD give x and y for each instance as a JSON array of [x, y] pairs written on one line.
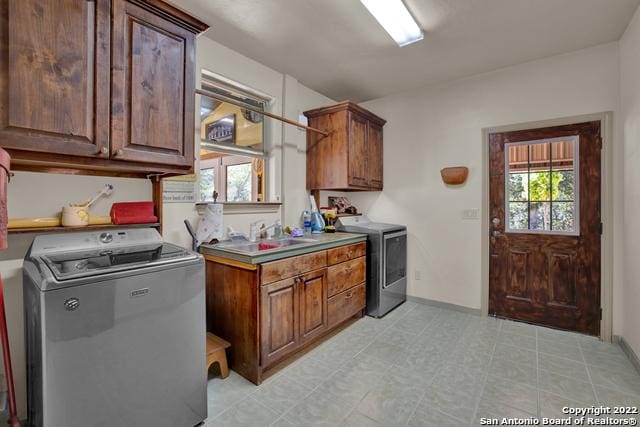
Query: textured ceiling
[[337, 48]]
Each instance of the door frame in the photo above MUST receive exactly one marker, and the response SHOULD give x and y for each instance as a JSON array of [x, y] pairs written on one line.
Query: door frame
[[606, 171]]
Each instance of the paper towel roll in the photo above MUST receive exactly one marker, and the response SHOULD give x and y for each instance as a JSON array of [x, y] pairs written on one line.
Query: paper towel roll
[[211, 225]]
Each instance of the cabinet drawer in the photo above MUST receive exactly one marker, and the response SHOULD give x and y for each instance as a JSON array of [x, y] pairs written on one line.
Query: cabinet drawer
[[289, 267], [345, 253], [346, 304], [346, 275]]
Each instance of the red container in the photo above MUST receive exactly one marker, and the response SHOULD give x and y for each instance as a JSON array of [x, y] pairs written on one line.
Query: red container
[[132, 213]]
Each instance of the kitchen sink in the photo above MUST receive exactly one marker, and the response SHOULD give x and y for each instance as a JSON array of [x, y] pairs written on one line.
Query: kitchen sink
[[262, 246]]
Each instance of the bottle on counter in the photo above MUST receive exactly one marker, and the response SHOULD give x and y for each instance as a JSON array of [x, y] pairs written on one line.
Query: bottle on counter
[[306, 222]]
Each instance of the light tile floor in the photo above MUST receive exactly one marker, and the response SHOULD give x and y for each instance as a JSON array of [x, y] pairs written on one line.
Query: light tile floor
[[427, 366]]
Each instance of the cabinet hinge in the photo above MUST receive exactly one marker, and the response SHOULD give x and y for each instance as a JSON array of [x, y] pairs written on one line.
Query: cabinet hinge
[[600, 313], [600, 142], [601, 229]]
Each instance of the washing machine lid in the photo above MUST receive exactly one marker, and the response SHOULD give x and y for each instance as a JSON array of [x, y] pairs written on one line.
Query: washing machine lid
[[93, 262], [363, 224]]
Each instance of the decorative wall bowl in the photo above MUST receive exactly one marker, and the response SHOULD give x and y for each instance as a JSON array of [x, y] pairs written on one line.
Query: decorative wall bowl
[[455, 175]]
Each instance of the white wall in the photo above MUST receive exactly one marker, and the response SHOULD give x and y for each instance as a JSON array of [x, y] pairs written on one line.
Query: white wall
[[630, 101], [442, 126], [42, 195], [287, 160]]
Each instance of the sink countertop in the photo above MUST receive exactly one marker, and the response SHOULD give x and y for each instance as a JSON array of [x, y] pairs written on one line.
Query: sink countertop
[[324, 241]]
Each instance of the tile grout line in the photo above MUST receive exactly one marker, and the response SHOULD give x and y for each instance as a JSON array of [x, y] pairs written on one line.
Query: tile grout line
[[486, 375], [593, 387], [283, 416], [355, 408], [424, 393]]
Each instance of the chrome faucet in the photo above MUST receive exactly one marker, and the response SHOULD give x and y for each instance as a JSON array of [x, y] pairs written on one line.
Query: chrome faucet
[[254, 231]]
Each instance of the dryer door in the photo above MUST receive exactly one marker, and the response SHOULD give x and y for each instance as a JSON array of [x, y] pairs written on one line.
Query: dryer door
[[394, 258]]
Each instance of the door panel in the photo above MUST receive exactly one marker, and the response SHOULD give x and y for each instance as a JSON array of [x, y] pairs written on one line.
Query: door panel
[[374, 168], [313, 304], [357, 150], [279, 319], [153, 77], [551, 277], [54, 81]]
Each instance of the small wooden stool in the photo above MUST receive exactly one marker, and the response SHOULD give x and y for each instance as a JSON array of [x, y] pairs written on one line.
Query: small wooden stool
[[216, 347]]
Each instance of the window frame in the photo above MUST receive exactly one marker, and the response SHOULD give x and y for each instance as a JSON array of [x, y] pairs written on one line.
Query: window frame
[[576, 173], [238, 93]]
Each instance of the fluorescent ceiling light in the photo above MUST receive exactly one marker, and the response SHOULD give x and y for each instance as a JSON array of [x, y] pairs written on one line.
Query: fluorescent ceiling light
[[395, 18]]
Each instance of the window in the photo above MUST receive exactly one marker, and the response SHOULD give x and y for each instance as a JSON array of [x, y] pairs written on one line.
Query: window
[[541, 186], [232, 143], [234, 178]]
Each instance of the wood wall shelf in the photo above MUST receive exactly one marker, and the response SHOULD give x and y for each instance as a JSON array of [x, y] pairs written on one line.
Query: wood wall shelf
[[85, 228]]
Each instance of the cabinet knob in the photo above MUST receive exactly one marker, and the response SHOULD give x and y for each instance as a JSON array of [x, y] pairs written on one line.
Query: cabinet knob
[[104, 150], [119, 152]]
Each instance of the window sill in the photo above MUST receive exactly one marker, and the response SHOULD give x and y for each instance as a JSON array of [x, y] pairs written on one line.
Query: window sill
[[237, 208]]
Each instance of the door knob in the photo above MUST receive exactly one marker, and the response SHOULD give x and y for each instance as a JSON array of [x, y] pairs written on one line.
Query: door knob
[[495, 221], [495, 233]]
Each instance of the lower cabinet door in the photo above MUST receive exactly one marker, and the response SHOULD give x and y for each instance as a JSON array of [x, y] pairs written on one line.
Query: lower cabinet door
[[279, 319], [313, 304]]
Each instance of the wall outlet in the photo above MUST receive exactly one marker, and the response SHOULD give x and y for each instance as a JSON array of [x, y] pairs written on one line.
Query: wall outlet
[[471, 214], [417, 274]]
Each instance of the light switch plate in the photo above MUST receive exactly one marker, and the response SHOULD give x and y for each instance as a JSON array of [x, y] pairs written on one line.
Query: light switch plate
[[471, 214]]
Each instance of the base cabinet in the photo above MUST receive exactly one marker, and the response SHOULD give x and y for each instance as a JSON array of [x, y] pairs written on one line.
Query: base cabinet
[[269, 312], [313, 304], [279, 319]]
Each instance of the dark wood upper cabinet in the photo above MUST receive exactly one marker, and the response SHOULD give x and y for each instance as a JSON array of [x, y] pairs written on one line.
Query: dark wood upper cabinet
[[374, 165], [350, 158], [54, 78], [101, 86], [153, 81], [357, 152]]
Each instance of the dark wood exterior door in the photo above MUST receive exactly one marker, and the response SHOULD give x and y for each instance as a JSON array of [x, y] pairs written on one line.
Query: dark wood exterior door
[[357, 150], [545, 226], [313, 304], [153, 79], [54, 78], [374, 169], [279, 319]]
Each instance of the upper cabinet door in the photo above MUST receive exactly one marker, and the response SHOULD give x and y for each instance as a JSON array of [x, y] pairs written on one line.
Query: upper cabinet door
[[153, 88], [357, 150], [54, 78], [374, 168]]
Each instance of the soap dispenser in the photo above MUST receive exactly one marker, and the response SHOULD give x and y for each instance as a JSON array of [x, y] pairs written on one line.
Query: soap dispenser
[[317, 222]]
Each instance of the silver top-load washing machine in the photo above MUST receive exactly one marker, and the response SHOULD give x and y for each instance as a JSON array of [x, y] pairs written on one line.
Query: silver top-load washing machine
[[115, 331], [386, 262]]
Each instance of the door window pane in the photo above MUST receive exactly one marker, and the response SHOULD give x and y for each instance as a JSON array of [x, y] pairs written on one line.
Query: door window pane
[[239, 183], [539, 216], [519, 215], [542, 186], [563, 216], [518, 187]]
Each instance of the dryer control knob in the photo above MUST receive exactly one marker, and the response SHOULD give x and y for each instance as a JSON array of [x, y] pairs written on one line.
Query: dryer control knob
[[106, 237]]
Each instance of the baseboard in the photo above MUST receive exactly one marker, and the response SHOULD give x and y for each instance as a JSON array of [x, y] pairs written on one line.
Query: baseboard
[[624, 345], [447, 305]]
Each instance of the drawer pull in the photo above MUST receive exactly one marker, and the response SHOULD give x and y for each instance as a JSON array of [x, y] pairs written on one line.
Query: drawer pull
[[349, 294]]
